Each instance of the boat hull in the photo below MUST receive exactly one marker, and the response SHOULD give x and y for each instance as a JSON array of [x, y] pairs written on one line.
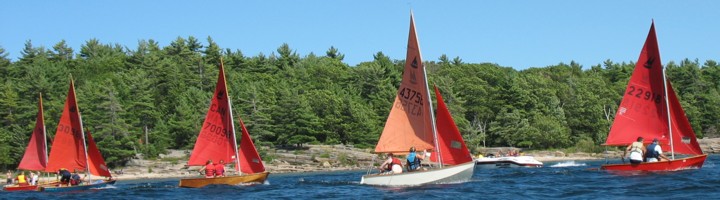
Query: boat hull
[[694, 162], [56, 188], [451, 174], [228, 180], [504, 162], [11, 188]]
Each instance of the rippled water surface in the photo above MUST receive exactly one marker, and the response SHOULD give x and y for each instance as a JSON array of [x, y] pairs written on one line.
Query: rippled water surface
[[569, 180]]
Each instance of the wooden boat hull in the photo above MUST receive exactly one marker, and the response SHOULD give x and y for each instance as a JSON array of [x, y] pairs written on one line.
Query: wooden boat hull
[[694, 162], [11, 188], [228, 180], [451, 174], [16, 187], [57, 188]]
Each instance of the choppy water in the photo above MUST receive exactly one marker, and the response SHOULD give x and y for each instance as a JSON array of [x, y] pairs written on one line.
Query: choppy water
[[569, 180]]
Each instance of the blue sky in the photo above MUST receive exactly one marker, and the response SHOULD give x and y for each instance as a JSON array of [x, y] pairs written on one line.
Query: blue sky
[[518, 34]]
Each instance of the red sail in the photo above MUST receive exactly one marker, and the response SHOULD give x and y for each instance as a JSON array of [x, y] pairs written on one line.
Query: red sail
[[684, 140], [216, 140], [35, 157], [450, 142], [96, 161], [643, 110], [409, 124], [68, 149], [250, 161]]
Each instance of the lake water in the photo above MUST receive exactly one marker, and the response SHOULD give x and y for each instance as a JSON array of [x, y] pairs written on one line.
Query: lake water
[[567, 180]]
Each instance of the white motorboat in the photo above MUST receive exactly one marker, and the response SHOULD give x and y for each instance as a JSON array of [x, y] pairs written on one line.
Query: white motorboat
[[510, 161]]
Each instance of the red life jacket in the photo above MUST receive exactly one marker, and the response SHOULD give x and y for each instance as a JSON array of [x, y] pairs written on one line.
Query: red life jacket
[[395, 161], [209, 170], [219, 170]]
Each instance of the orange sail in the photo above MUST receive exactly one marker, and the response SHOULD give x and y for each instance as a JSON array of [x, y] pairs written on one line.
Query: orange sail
[[409, 123], [96, 161], [217, 137], [643, 110], [250, 161], [450, 142], [68, 148], [35, 157]]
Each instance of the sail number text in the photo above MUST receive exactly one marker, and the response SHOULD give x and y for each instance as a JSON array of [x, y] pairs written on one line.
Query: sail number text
[[411, 101], [643, 94], [216, 134]]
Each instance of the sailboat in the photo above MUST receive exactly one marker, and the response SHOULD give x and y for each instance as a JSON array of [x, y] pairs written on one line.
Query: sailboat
[[217, 142], [650, 109], [35, 157], [71, 150], [411, 123]]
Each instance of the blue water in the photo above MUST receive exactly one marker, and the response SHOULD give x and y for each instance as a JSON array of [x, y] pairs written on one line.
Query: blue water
[[568, 180]]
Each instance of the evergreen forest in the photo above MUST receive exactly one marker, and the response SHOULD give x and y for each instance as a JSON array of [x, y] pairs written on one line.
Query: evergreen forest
[[152, 98]]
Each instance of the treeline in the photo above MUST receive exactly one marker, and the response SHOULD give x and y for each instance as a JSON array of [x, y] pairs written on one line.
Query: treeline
[[152, 98]]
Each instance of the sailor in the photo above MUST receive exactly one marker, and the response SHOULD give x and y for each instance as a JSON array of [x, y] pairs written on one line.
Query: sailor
[[64, 176], [220, 169], [654, 152], [413, 160], [637, 150], [391, 165], [209, 169], [22, 179]]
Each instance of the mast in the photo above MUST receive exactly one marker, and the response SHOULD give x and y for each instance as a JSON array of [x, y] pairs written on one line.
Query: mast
[[232, 119], [82, 131], [42, 116], [429, 99], [667, 107]]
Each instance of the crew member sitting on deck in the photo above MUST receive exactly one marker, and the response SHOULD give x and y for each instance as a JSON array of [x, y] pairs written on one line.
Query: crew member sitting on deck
[[209, 169], [637, 150], [391, 165], [22, 179], [220, 169], [654, 152], [413, 160], [75, 179], [64, 176]]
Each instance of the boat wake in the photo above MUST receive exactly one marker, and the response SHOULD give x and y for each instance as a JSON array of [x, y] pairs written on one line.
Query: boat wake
[[568, 164], [303, 181]]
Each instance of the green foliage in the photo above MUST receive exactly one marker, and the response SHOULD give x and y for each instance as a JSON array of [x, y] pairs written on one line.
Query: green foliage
[[152, 98]]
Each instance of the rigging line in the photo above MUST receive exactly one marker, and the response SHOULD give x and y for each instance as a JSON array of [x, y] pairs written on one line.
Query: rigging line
[[667, 106]]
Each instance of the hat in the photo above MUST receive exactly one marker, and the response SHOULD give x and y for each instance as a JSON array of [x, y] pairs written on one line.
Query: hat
[[655, 140]]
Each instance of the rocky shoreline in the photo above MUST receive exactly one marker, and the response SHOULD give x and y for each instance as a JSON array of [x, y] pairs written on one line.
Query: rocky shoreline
[[314, 158]]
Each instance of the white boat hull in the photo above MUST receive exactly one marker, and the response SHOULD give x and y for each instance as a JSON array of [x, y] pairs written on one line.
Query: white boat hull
[[450, 174]]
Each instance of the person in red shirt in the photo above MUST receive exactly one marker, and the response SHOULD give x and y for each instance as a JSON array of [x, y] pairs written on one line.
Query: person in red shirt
[[209, 169], [220, 169]]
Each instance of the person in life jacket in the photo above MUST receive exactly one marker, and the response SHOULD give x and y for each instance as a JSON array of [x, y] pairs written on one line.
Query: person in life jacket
[[654, 152], [209, 169], [75, 178], [391, 165], [22, 179], [637, 151], [220, 169], [64, 176], [414, 159]]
